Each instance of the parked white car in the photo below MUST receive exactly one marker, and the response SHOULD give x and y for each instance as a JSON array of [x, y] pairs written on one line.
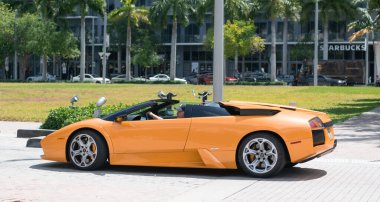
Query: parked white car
[[121, 78], [164, 77], [49, 77], [90, 78]]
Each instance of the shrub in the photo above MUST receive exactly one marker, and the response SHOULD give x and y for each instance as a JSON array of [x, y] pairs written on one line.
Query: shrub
[[151, 82], [63, 116], [248, 83]]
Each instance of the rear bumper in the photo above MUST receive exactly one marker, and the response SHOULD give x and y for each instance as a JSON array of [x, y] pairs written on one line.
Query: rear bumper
[[321, 154]]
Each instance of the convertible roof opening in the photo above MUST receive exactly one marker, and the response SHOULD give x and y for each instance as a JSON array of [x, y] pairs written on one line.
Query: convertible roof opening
[[250, 112]]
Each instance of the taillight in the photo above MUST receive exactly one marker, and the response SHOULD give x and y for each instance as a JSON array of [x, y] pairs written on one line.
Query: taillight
[[315, 123]]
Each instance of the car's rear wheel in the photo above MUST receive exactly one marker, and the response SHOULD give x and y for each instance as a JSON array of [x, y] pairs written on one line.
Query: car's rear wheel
[[87, 150], [261, 155], [290, 165]]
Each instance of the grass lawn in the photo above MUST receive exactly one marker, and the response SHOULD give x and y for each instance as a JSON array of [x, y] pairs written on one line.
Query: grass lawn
[[32, 101]]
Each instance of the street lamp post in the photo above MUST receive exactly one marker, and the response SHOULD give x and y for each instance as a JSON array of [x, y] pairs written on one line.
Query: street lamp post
[[366, 59], [93, 47], [316, 45], [218, 51], [104, 42], [15, 53]]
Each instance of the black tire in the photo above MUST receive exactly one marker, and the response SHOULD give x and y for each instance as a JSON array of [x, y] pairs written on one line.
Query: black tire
[[277, 166], [290, 165], [100, 159]]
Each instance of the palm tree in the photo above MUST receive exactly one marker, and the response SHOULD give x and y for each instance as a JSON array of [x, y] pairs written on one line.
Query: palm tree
[[365, 25], [48, 10], [132, 16], [84, 6], [180, 10], [235, 9], [272, 9], [329, 9], [291, 12]]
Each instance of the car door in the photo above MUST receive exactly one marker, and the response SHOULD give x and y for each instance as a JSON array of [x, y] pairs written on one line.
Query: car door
[[322, 81], [161, 78], [145, 136], [155, 78], [210, 126], [165, 78], [88, 77]]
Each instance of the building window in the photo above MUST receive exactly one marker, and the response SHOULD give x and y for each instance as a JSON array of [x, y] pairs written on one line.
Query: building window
[[359, 55], [192, 33]]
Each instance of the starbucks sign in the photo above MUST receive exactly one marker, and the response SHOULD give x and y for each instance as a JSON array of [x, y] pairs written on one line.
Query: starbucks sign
[[345, 47]]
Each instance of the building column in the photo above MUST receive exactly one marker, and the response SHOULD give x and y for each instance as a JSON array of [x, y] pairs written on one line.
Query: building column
[[179, 66], [376, 59]]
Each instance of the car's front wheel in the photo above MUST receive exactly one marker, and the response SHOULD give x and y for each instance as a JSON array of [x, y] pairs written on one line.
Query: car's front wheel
[[87, 150], [261, 155]]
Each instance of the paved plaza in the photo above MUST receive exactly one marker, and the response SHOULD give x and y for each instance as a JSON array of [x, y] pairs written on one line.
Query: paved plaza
[[350, 173]]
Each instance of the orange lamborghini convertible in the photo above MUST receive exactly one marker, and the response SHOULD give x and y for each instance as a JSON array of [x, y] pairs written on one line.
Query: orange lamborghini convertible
[[260, 139]]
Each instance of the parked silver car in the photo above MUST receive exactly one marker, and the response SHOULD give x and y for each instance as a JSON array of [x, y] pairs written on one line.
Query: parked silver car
[[164, 77], [91, 78], [121, 78], [39, 77]]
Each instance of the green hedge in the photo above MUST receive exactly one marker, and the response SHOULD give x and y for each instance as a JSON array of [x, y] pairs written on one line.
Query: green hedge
[[151, 82], [63, 116], [248, 83]]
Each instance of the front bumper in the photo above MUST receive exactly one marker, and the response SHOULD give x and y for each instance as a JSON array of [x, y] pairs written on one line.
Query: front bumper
[[321, 154]]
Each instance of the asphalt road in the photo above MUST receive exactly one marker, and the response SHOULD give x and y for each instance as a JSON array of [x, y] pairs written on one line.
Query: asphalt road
[[350, 173]]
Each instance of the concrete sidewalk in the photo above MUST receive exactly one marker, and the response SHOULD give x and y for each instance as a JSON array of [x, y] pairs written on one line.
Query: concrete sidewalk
[[350, 173], [359, 137]]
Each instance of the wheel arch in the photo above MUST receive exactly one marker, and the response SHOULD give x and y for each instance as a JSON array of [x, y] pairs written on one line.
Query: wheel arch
[[276, 135], [87, 128]]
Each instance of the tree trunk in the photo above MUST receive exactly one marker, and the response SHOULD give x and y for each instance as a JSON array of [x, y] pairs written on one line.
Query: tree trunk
[[23, 68], [15, 58], [273, 51], [119, 59], [128, 53], [376, 50], [285, 47], [242, 67], [146, 72], [82, 47], [54, 66], [326, 40], [44, 68], [173, 53], [236, 60], [6, 67]]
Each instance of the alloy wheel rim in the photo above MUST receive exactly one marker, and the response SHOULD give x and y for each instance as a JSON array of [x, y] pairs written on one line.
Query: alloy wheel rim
[[83, 150], [260, 155]]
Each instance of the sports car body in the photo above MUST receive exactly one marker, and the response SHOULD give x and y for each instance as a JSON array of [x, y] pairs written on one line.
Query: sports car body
[[261, 139]]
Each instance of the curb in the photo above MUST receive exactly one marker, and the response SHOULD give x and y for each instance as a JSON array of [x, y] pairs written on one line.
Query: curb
[[25, 133], [34, 142]]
